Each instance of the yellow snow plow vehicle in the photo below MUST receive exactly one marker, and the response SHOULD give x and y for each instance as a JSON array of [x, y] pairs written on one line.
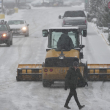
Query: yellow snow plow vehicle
[[57, 62]]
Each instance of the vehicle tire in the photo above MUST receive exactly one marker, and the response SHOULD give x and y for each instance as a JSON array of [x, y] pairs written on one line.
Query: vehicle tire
[[11, 42], [17, 79], [85, 32], [8, 44], [46, 83], [27, 35]]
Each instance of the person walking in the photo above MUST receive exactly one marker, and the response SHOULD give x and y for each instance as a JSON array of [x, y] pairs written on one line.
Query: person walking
[[71, 81]]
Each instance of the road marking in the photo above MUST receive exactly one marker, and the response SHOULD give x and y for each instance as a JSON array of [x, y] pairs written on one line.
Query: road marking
[[104, 39]]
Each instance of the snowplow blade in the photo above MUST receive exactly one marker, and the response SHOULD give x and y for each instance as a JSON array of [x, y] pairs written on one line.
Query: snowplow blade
[[29, 72], [98, 72]]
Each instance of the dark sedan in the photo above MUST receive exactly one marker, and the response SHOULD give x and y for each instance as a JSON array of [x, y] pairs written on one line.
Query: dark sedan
[[5, 33]]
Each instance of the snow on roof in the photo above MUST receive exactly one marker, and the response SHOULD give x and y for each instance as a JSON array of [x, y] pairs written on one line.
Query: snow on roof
[[75, 10], [64, 28], [16, 19]]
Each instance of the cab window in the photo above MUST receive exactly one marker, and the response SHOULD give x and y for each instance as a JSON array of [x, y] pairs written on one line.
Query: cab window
[[55, 35]]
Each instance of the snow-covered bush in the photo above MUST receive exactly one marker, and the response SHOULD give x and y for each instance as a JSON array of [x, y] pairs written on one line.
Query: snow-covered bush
[[99, 27], [94, 20], [105, 30]]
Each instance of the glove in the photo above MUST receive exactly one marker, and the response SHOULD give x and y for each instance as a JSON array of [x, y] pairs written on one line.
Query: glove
[[86, 84]]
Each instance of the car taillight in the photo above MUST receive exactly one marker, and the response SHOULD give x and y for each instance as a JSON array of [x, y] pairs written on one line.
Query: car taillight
[[85, 21], [51, 70], [63, 21], [45, 70]]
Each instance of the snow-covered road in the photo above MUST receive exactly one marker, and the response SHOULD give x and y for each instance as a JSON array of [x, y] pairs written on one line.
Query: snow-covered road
[[32, 95]]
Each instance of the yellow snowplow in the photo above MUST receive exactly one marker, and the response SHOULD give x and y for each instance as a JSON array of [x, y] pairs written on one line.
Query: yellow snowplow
[[29, 72], [57, 62], [98, 72]]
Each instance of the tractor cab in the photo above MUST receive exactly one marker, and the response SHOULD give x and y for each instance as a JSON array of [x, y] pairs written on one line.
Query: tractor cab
[[55, 34], [56, 40]]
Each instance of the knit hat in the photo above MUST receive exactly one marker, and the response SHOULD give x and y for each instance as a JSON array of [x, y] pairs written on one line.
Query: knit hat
[[75, 63]]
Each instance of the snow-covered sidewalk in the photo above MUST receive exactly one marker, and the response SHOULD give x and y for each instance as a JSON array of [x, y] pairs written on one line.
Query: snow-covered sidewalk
[[101, 32]]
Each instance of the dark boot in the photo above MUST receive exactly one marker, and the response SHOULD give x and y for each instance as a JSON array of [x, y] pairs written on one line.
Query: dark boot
[[80, 107], [66, 106], [67, 101]]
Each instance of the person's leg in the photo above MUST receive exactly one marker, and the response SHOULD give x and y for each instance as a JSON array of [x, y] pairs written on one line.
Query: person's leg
[[76, 99], [67, 100]]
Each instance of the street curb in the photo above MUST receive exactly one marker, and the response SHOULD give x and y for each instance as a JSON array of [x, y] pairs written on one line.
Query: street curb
[[105, 39], [107, 42]]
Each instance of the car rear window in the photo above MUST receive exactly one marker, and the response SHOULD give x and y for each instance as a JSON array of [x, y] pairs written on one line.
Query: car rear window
[[3, 28], [74, 14]]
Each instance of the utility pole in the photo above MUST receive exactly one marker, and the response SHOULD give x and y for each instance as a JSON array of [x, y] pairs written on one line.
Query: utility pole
[[16, 6], [2, 5], [16, 2], [87, 7]]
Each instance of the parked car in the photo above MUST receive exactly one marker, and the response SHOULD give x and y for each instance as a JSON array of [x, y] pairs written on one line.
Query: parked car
[[45, 3], [24, 6], [9, 11], [9, 4], [37, 3], [55, 2], [5, 33], [75, 18], [4, 9], [19, 27], [77, 3], [67, 3]]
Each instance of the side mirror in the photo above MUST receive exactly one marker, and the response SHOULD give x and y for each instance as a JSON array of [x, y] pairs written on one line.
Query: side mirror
[[45, 33], [27, 24], [59, 17], [81, 46]]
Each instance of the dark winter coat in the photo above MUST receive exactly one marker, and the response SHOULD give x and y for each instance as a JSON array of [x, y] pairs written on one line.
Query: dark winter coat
[[72, 76], [65, 42]]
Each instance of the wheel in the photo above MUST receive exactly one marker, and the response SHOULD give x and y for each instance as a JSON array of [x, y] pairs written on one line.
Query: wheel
[[46, 83], [11, 42], [17, 79], [27, 35], [8, 43], [85, 33]]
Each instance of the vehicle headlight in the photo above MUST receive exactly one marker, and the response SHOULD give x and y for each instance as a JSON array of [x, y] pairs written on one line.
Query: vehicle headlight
[[61, 57], [4, 35], [24, 28]]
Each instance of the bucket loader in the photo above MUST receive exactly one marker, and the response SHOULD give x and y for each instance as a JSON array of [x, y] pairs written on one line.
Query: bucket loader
[[57, 62]]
